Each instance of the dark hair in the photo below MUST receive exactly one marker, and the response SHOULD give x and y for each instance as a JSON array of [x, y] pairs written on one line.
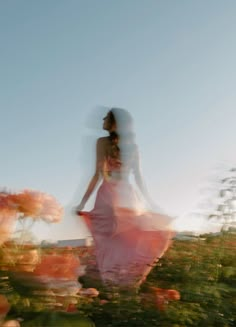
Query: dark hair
[[114, 136], [112, 118], [123, 121], [123, 136]]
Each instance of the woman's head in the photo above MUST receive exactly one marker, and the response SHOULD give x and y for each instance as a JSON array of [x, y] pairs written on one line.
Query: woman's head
[[109, 122], [119, 123], [118, 120]]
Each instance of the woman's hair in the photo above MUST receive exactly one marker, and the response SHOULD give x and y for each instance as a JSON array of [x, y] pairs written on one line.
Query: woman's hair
[[123, 133], [122, 119]]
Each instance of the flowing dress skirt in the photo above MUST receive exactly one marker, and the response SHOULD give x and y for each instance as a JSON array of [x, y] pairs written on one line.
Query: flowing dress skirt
[[128, 240]]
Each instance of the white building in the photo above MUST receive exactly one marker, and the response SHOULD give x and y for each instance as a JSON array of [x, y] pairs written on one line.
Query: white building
[[75, 242]]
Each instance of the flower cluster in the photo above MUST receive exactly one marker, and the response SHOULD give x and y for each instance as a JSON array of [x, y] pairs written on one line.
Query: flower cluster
[[51, 276], [160, 297], [27, 203], [37, 205], [33, 204], [58, 266]]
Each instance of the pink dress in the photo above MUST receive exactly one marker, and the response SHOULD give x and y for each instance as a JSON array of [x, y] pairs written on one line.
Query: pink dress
[[128, 239]]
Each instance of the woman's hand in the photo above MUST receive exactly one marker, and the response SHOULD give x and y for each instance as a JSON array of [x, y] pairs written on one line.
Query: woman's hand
[[79, 208]]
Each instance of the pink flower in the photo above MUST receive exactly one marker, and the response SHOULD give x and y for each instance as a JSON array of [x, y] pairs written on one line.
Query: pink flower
[[37, 205], [51, 211], [28, 203]]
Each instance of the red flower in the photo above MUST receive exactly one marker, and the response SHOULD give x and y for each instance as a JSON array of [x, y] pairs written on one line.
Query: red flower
[[71, 308], [173, 295], [64, 266], [162, 296], [161, 302], [4, 305]]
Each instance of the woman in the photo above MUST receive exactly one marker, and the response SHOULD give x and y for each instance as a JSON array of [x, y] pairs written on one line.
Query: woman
[[128, 238]]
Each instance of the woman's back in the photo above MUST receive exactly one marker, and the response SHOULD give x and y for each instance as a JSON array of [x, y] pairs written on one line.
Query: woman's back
[[117, 158]]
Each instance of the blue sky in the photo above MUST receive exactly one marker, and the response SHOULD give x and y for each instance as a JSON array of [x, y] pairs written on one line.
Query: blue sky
[[170, 63]]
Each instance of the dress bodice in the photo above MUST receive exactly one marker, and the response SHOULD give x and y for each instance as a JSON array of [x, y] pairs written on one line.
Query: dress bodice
[[112, 169], [115, 168]]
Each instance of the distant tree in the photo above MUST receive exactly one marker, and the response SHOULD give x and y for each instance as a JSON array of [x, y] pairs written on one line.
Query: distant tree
[[226, 207]]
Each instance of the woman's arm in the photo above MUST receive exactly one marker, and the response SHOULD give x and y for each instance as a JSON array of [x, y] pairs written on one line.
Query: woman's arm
[[96, 177]]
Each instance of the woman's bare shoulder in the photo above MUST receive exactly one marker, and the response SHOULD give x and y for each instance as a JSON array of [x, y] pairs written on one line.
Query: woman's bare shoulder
[[103, 140]]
